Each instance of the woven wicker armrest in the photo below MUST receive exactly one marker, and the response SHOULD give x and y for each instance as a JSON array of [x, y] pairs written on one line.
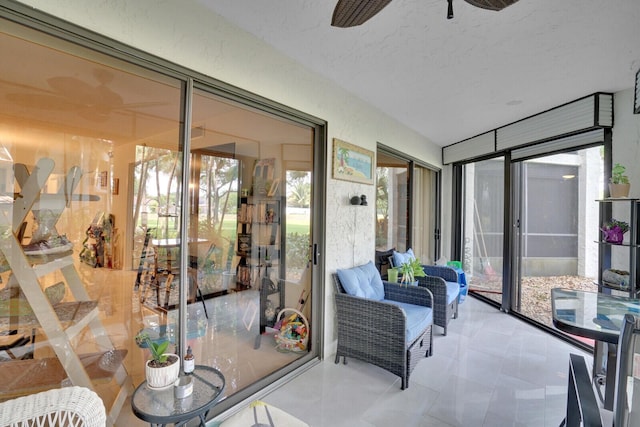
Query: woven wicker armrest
[[443, 311], [447, 273], [437, 285], [377, 320], [68, 406], [415, 295]]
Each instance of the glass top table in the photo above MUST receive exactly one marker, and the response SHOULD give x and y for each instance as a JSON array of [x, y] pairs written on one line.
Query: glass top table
[[591, 314], [597, 316], [161, 407]]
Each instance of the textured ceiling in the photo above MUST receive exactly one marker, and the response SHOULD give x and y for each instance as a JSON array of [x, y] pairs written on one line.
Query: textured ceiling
[[453, 79]]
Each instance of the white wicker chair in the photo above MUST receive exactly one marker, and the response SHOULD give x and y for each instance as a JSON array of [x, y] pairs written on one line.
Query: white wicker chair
[[68, 406]]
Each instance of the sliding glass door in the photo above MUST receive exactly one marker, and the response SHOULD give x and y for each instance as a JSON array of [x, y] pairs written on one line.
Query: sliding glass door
[[138, 203], [483, 206], [555, 228], [392, 202], [406, 201]]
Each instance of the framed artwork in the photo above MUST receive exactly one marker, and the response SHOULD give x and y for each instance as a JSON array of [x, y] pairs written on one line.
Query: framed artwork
[[264, 168], [263, 172], [352, 163], [636, 96]]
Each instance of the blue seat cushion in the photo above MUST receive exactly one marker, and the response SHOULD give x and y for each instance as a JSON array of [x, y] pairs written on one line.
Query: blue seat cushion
[[400, 258], [418, 318], [362, 281], [453, 290]]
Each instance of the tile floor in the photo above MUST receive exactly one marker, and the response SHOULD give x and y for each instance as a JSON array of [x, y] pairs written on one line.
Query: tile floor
[[490, 370]]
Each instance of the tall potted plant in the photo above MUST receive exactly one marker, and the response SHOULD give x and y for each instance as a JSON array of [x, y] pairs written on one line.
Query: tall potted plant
[[162, 369], [619, 182]]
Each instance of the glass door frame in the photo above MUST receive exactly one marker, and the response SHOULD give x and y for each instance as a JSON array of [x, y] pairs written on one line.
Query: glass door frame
[[522, 175], [510, 271], [56, 30], [458, 221], [436, 198]]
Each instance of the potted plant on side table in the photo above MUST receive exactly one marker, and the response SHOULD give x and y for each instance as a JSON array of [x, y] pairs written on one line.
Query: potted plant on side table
[[162, 369], [619, 182], [410, 270]]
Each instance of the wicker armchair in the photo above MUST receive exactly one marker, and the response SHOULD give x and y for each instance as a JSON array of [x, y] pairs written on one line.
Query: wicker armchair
[[439, 281], [375, 331], [68, 406], [436, 282]]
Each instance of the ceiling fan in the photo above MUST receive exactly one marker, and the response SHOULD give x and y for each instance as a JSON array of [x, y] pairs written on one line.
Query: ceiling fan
[[351, 13], [93, 102]]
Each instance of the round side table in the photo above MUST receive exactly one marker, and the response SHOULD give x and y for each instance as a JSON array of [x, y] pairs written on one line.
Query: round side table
[[161, 407]]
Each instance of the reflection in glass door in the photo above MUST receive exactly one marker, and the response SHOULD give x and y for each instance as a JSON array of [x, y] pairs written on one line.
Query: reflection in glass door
[[405, 208], [423, 219], [392, 203], [80, 147], [100, 143], [483, 227], [556, 228], [249, 225]]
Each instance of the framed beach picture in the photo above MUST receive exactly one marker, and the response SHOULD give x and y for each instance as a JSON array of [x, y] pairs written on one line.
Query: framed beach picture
[[352, 163]]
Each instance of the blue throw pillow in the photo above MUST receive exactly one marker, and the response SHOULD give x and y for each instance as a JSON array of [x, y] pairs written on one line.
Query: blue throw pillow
[[400, 258], [362, 281]]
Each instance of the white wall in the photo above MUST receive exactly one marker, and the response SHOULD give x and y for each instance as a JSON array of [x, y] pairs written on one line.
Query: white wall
[[626, 151], [626, 138], [189, 35]]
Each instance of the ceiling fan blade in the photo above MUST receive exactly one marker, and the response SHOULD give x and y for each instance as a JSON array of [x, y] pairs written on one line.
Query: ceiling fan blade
[[43, 102], [107, 97], [351, 13], [491, 4], [95, 114], [78, 91], [136, 105], [70, 87]]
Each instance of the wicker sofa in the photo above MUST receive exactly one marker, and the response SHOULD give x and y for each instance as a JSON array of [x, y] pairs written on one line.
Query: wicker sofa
[[69, 406], [382, 323]]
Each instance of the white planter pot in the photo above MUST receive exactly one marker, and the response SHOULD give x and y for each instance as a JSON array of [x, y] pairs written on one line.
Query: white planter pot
[[163, 377]]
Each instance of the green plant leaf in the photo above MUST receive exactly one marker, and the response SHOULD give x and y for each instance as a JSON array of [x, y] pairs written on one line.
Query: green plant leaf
[[161, 348], [624, 226], [157, 349], [410, 270], [618, 176]]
